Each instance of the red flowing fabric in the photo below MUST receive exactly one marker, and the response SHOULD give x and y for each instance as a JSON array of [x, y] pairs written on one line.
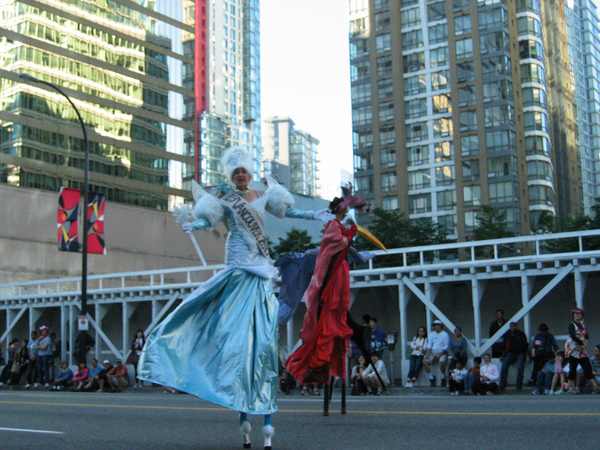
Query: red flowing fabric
[[325, 333]]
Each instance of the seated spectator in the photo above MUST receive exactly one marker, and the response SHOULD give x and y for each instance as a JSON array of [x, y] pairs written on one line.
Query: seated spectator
[[418, 347], [96, 383], [457, 377], [543, 344], [358, 385], [437, 352], [488, 378], [595, 360], [9, 376], [545, 375], [64, 378], [560, 376], [457, 348], [118, 377], [80, 376], [371, 379], [515, 350], [473, 375]]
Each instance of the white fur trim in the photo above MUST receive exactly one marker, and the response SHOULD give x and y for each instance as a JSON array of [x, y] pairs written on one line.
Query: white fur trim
[[268, 431], [278, 200], [245, 428], [235, 157], [210, 208]]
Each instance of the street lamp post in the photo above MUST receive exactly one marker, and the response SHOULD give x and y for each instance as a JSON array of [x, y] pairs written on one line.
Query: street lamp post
[[84, 246]]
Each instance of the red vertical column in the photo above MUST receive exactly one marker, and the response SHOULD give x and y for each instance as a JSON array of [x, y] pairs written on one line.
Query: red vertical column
[[200, 58]]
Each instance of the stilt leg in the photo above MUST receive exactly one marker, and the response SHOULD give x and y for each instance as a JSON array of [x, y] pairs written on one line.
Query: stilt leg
[[268, 432], [245, 429], [326, 400], [343, 398], [331, 380]]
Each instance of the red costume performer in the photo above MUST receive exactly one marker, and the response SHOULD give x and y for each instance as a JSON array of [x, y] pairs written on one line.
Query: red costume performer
[[325, 333]]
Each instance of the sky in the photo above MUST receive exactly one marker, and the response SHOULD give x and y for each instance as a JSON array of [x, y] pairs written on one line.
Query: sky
[[306, 75]]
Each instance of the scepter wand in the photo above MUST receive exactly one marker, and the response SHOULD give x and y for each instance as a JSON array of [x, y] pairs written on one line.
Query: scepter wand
[[197, 247]]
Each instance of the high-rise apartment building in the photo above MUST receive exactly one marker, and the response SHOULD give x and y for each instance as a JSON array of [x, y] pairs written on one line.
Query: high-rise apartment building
[[455, 106], [226, 77], [112, 62], [584, 45], [290, 156]]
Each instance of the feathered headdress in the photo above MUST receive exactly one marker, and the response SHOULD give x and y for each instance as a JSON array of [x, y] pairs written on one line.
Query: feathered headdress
[[234, 158], [353, 200]]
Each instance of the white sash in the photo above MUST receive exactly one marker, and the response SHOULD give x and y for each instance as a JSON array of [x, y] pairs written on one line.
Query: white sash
[[249, 218]]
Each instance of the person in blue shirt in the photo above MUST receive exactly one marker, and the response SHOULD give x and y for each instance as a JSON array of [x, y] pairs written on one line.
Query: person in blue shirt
[[545, 375], [543, 344], [374, 337], [64, 378]]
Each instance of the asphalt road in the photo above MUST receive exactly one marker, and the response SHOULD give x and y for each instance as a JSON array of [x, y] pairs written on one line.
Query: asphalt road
[[152, 420]]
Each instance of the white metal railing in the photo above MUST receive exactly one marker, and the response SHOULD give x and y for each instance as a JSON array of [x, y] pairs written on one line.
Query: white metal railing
[[463, 254]]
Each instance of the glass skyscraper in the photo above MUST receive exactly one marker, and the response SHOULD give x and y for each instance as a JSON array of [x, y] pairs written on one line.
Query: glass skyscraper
[[110, 60], [462, 103]]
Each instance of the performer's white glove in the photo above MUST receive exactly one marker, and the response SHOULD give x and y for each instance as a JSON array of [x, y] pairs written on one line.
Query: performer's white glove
[[323, 215], [188, 227]]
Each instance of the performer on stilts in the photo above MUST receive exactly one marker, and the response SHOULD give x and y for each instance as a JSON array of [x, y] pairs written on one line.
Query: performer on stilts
[[325, 333], [221, 343]]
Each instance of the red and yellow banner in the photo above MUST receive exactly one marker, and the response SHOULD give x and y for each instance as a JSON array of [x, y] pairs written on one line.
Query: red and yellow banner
[[67, 223], [95, 215]]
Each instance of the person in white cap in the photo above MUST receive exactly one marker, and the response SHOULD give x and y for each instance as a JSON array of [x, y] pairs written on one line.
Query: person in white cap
[[221, 343], [437, 352]]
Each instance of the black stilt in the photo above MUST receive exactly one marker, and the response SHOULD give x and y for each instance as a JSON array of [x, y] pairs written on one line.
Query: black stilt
[[331, 387], [343, 398], [326, 400]]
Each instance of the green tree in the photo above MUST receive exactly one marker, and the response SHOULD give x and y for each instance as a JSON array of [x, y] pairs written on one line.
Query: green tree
[[295, 241], [427, 232], [492, 225]]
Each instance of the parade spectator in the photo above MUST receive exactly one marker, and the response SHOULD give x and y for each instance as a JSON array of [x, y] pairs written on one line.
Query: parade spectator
[[543, 344], [375, 381], [473, 375], [86, 384], [118, 377], [457, 377], [134, 356], [64, 378], [32, 372], [497, 347], [81, 375], [376, 338], [457, 349], [595, 361], [488, 377], [358, 385], [55, 360], [97, 381], [437, 352], [24, 352], [515, 350], [560, 376], [576, 351], [12, 369], [418, 347], [43, 347], [545, 375]]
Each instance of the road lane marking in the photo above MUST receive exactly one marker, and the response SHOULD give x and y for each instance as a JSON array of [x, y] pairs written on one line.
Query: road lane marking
[[320, 411], [23, 430]]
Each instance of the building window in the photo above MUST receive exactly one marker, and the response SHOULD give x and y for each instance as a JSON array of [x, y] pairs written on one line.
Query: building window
[[466, 96], [497, 90], [385, 88], [444, 175], [410, 17], [415, 85], [469, 145], [441, 103], [531, 49], [502, 166], [470, 170], [384, 66], [529, 25], [496, 116], [438, 33], [387, 134], [436, 11], [540, 170], [388, 182], [468, 120], [362, 139], [533, 72], [438, 57], [386, 111], [362, 115], [500, 141], [360, 71], [440, 80], [446, 200], [534, 97], [415, 108], [496, 65], [383, 43], [388, 157], [462, 25], [364, 185], [448, 223], [361, 93], [537, 145], [389, 203], [472, 195], [536, 121], [444, 151], [502, 192], [493, 18], [419, 204], [419, 179], [414, 62], [541, 195], [418, 155], [442, 127], [416, 131], [470, 220], [464, 48], [412, 39], [465, 71], [363, 161], [382, 21]]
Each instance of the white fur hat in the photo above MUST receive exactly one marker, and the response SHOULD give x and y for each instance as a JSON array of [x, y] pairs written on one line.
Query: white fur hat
[[235, 157]]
